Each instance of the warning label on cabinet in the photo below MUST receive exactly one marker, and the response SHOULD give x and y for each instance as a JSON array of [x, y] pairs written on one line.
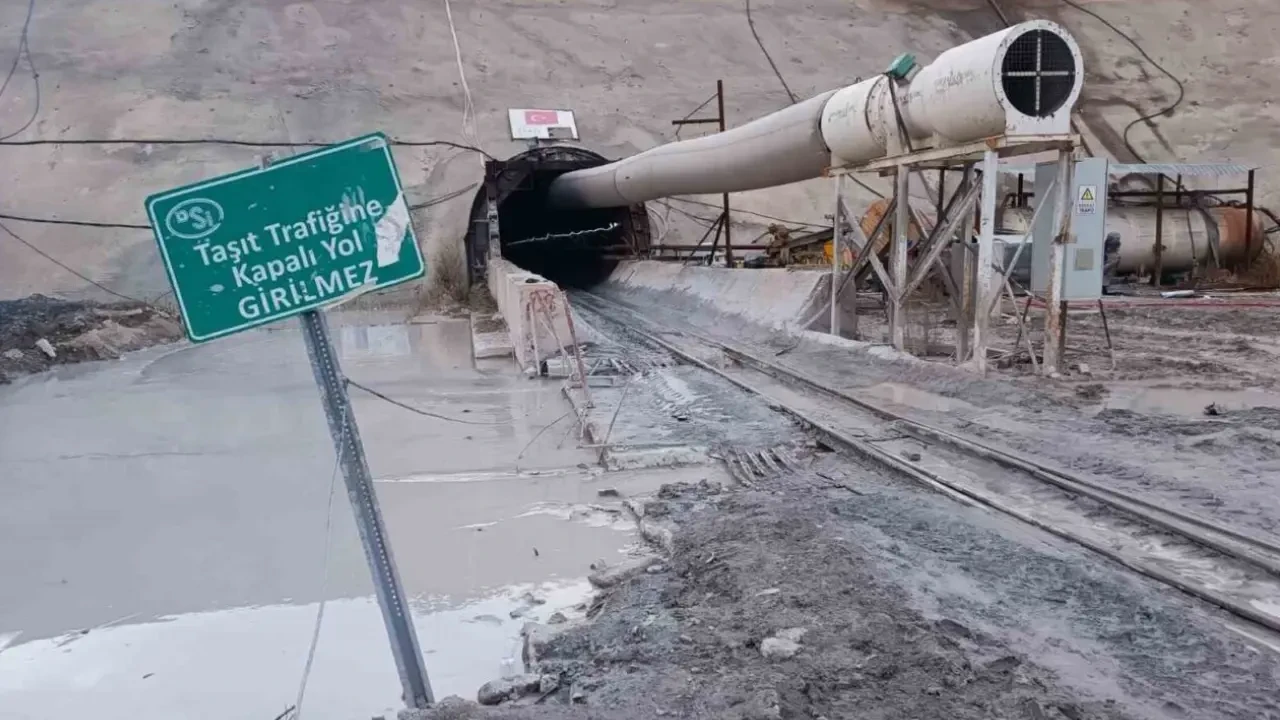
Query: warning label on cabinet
[[1087, 200]]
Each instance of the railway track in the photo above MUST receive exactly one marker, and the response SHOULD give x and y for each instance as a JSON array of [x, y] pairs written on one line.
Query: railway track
[[1236, 571]]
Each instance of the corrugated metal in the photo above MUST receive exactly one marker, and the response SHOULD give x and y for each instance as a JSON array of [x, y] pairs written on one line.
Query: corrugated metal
[[1183, 169]]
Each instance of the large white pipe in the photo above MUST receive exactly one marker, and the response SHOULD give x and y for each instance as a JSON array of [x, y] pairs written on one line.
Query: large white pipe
[[1023, 80]]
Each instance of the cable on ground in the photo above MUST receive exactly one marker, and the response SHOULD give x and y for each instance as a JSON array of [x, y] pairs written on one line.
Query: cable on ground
[[419, 411], [295, 712], [537, 435], [751, 23]]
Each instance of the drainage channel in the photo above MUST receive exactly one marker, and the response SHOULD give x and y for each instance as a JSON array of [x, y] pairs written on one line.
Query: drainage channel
[[1235, 571]]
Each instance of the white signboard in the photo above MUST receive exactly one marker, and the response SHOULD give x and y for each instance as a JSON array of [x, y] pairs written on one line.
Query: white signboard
[[535, 124], [1087, 200]]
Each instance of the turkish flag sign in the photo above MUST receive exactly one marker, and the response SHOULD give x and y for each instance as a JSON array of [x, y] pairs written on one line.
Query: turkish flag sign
[[541, 117]]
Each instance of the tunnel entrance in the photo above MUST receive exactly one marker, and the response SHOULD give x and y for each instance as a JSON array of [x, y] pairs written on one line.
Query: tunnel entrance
[[571, 247]]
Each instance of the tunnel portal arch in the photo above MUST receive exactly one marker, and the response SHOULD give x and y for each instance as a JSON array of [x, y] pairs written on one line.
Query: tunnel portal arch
[[572, 247]]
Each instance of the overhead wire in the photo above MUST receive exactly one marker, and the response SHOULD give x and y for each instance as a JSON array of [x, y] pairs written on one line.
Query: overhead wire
[[76, 223], [751, 23], [430, 202], [1182, 91], [22, 43], [68, 268], [666, 219], [24, 48], [469, 129], [792, 95], [751, 212], [233, 142]]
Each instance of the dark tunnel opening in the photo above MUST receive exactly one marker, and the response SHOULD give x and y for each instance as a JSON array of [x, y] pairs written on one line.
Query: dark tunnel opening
[[571, 247]]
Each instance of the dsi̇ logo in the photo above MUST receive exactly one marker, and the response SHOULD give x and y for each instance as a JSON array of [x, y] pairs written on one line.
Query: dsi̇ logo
[[194, 219]]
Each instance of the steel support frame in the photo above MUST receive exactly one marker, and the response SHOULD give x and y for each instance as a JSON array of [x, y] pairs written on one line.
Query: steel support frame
[[1055, 322], [726, 223], [983, 279]]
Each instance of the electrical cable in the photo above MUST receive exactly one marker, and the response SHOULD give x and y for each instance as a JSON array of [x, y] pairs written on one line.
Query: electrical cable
[[237, 143], [22, 43], [295, 713], [419, 411], [538, 434], [793, 97], [443, 198], [750, 212], [469, 130], [24, 47], [69, 269], [77, 223], [133, 226], [693, 112], [1182, 91], [751, 23], [666, 219]]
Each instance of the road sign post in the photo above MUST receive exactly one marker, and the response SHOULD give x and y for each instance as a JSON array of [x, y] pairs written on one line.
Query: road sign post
[[287, 239], [396, 614], [257, 246]]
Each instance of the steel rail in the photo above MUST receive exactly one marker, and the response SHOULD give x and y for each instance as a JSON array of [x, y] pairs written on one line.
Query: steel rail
[[1182, 525]]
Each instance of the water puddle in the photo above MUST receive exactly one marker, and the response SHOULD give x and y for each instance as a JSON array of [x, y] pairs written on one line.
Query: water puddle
[[247, 662], [1186, 402], [914, 397]]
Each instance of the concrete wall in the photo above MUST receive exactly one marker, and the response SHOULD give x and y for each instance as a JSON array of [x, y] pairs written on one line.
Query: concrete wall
[[775, 298], [535, 311]]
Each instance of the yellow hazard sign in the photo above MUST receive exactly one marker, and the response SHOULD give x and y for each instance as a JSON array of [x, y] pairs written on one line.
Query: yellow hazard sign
[[1087, 200]]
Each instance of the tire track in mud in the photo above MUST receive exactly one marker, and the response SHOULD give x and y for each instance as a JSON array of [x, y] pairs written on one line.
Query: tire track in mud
[[1236, 571]]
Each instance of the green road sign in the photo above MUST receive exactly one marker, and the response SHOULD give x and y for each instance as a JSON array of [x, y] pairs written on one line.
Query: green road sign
[[256, 246]]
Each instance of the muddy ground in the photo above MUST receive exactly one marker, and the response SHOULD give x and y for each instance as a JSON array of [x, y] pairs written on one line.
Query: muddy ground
[[835, 592], [1191, 415], [838, 590], [38, 332]]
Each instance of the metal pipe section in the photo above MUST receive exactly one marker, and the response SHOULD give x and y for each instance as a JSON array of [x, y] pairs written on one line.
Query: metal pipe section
[[1023, 80], [780, 148], [1192, 237]]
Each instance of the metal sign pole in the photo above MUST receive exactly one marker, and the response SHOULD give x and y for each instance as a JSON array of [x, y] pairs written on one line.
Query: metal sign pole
[[355, 472], [250, 248]]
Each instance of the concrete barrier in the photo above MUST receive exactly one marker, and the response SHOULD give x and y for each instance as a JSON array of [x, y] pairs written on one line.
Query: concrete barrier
[[535, 310], [776, 298]]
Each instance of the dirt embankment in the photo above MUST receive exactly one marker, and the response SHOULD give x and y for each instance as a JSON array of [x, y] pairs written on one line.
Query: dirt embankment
[[858, 598], [38, 332]]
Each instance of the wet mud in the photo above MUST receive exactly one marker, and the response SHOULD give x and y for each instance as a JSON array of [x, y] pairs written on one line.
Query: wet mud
[[38, 332], [858, 598]]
